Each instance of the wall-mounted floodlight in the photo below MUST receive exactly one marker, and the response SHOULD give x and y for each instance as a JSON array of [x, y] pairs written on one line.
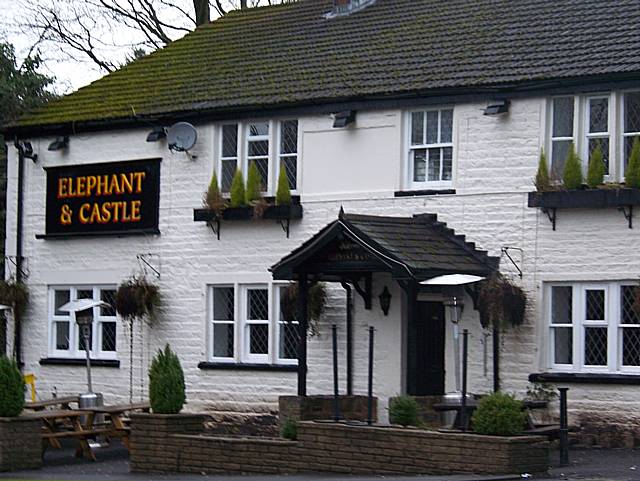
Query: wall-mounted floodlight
[[26, 150], [344, 118], [61, 142], [497, 107], [156, 134]]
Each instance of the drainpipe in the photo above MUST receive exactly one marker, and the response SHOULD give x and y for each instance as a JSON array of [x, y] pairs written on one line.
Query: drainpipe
[[17, 339]]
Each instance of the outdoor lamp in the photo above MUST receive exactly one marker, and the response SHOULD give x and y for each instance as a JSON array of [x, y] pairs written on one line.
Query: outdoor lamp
[[60, 143], [156, 134], [385, 300], [84, 319], [455, 314], [455, 307]]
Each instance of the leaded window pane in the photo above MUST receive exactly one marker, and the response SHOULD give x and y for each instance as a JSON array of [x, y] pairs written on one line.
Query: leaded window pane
[[109, 336], [561, 304], [446, 126], [627, 301], [263, 170], [604, 146], [432, 127], [434, 164], [230, 140], [559, 153], [598, 115], [223, 340], [563, 117], [632, 112], [62, 335], [223, 302], [631, 346], [229, 168], [417, 128], [84, 294], [289, 137], [108, 296], [595, 346], [419, 165], [290, 166], [258, 304], [288, 341], [259, 338], [447, 162], [258, 148], [260, 128], [563, 345], [61, 298], [594, 307]]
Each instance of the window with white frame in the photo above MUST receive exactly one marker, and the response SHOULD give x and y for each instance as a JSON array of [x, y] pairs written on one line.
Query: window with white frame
[[64, 335], [609, 120], [431, 147], [247, 324], [242, 143], [593, 327]]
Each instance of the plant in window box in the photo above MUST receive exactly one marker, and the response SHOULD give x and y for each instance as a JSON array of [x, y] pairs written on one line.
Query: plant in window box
[[285, 208], [238, 208], [632, 174], [316, 302], [543, 182], [213, 199], [252, 195], [501, 303], [572, 174], [595, 172], [15, 295]]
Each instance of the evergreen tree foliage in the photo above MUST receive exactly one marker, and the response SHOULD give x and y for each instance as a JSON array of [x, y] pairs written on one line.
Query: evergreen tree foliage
[[166, 383], [632, 174], [543, 182], [213, 198], [12, 388], [254, 184], [237, 190], [595, 172], [403, 410], [283, 194], [499, 415], [572, 175]]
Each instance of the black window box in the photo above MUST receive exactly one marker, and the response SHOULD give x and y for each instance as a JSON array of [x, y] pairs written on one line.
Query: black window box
[[237, 213], [584, 199], [283, 212], [272, 212], [61, 361], [585, 378], [233, 366]]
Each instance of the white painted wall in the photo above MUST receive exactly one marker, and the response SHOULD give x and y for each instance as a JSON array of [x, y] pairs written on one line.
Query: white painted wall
[[358, 168]]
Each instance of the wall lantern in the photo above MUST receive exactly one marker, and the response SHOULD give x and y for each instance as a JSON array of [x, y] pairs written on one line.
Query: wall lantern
[[455, 307], [60, 143], [344, 118], [156, 134], [385, 300], [497, 107]]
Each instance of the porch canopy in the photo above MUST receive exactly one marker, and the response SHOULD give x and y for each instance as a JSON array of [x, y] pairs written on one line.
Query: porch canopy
[[354, 247]]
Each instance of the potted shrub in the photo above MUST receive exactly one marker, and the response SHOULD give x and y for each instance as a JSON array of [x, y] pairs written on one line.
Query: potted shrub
[[166, 383], [284, 208], [238, 208], [20, 443], [543, 181]]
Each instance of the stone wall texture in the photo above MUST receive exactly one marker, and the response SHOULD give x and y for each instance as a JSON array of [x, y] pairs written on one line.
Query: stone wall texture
[[20, 444], [336, 448]]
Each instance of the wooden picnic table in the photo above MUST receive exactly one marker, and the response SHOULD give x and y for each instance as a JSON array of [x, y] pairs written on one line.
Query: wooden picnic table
[[117, 415], [59, 402]]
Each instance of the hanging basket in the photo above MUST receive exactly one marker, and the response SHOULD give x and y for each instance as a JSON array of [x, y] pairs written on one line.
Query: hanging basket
[[136, 298], [501, 303], [15, 295], [316, 302]]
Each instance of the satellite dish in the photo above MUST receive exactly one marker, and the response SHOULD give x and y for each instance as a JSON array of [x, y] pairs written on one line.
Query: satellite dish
[[181, 137]]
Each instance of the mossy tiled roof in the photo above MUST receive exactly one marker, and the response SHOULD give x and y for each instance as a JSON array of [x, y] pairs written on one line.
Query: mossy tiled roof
[[290, 54]]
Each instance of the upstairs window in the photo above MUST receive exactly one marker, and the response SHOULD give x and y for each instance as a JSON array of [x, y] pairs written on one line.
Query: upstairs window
[[561, 133], [246, 142], [597, 129], [631, 129], [431, 147]]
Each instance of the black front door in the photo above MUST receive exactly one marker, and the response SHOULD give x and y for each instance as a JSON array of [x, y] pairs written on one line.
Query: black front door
[[430, 334]]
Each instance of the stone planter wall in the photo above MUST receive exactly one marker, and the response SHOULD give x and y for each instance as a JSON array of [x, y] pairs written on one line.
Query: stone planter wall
[[20, 443], [340, 448], [314, 408]]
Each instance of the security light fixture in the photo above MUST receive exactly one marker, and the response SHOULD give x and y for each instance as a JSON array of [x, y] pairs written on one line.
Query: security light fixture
[[26, 149], [61, 142], [385, 300], [344, 118], [156, 134], [497, 107]]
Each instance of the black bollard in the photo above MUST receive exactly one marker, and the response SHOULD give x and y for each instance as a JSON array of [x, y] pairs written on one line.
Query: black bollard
[[564, 427], [465, 354], [370, 385], [336, 394]]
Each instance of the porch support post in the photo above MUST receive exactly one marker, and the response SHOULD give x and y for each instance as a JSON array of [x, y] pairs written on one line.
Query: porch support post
[[411, 296], [303, 325], [496, 359], [347, 289]]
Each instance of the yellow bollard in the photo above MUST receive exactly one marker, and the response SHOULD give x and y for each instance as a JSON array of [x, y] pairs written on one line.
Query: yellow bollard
[[30, 379]]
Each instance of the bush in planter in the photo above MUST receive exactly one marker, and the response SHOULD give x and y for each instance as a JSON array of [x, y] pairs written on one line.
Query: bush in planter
[[499, 415], [166, 383], [213, 198], [12, 392], [543, 182], [632, 173], [237, 190], [572, 174], [283, 194], [137, 297], [254, 185], [289, 430], [404, 410], [595, 172]]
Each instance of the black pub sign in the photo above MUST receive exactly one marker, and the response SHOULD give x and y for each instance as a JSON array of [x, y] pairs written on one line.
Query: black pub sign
[[103, 199]]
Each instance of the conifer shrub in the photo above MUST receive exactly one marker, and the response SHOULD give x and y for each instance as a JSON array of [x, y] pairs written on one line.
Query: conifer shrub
[[213, 198], [404, 410], [543, 182], [632, 174], [595, 172], [166, 383], [283, 193], [12, 388], [237, 190], [289, 430], [499, 415], [254, 184], [572, 174]]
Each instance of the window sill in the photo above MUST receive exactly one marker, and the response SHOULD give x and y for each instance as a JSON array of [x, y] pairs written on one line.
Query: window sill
[[585, 378], [61, 361], [233, 366], [416, 193]]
